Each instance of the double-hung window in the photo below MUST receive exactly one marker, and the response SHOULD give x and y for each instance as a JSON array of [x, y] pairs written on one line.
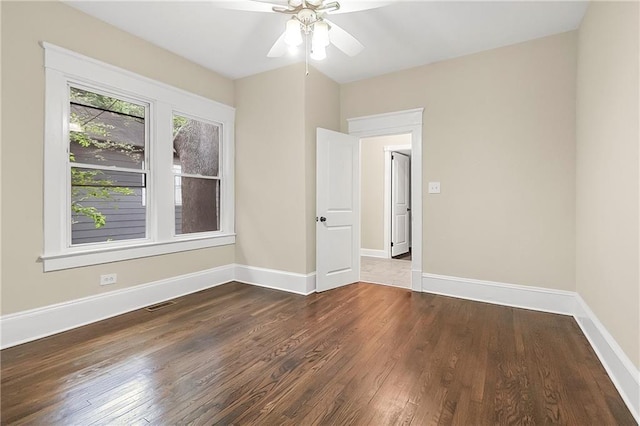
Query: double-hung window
[[108, 167], [133, 167]]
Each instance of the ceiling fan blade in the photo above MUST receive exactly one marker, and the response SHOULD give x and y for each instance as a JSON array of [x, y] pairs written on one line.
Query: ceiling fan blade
[[279, 48], [343, 40], [248, 5], [356, 6]]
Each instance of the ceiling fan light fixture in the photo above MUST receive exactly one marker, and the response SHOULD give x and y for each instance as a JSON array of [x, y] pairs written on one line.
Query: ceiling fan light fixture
[[308, 24], [320, 34], [292, 33], [318, 53]]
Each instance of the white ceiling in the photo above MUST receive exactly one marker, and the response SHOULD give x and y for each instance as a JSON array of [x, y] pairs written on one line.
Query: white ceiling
[[400, 35]]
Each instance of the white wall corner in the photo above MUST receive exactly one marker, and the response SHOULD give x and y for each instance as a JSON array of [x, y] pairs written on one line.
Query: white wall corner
[[279, 280], [623, 373], [311, 283], [34, 324], [373, 253]]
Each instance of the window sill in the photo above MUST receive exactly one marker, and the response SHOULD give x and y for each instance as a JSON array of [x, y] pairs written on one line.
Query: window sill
[[56, 262]]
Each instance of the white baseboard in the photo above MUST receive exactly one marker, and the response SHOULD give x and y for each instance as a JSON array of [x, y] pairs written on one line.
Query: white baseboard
[[280, 280], [374, 253], [517, 296], [34, 324], [623, 373]]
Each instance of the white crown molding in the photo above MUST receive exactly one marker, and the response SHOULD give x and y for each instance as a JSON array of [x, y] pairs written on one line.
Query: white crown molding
[[623, 373]]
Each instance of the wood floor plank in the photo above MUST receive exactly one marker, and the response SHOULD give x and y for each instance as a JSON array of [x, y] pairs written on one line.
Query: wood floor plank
[[361, 354]]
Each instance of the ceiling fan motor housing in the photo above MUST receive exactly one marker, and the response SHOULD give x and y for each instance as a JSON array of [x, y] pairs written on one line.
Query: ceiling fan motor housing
[[307, 16]]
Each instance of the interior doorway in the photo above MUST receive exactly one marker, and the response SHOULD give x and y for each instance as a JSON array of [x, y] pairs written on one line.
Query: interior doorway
[[408, 122], [385, 183]]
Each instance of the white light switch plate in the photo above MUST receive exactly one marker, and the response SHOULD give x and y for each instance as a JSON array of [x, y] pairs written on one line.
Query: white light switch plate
[[434, 187]]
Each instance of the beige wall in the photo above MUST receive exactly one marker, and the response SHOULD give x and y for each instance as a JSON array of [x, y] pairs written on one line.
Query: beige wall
[[607, 180], [270, 171], [24, 24], [372, 188], [322, 109], [499, 134], [278, 112]]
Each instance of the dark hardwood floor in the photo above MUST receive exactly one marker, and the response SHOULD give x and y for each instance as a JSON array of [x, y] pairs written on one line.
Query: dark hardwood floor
[[362, 354]]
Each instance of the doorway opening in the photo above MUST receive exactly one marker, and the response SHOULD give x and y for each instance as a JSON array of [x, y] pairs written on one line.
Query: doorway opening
[[407, 122], [385, 206]]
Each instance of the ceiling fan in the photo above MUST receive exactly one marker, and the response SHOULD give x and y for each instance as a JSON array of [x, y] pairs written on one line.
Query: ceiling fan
[[308, 22]]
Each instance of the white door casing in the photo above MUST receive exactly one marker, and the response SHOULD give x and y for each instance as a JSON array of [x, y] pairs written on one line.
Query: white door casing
[[338, 209], [400, 204], [395, 123]]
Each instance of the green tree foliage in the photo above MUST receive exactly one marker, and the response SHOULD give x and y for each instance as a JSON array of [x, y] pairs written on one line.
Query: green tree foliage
[[178, 123], [89, 131]]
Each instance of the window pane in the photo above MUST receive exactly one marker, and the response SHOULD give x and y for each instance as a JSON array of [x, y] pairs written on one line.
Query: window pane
[[198, 210], [196, 146], [106, 205], [105, 131]]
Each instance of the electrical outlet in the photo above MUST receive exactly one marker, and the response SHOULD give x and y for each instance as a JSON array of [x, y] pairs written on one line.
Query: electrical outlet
[[434, 187], [108, 279]]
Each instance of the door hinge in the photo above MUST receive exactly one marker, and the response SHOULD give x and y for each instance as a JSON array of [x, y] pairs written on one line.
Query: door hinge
[[391, 244]]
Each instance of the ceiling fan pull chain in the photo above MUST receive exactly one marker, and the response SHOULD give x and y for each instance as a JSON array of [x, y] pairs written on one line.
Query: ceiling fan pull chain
[[306, 53]]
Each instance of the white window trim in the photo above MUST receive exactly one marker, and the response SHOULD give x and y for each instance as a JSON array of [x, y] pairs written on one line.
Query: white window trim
[[63, 66]]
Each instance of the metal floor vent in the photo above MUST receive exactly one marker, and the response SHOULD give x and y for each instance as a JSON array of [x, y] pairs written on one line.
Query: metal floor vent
[[160, 305]]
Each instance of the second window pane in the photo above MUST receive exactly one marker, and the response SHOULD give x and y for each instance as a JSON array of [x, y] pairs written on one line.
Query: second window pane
[[196, 146], [197, 205]]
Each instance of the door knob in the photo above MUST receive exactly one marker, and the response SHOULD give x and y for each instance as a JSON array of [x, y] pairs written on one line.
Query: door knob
[[323, 219]]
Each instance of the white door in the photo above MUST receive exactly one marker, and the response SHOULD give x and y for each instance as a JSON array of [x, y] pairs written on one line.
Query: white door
[[338, 210], [400, 204]]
